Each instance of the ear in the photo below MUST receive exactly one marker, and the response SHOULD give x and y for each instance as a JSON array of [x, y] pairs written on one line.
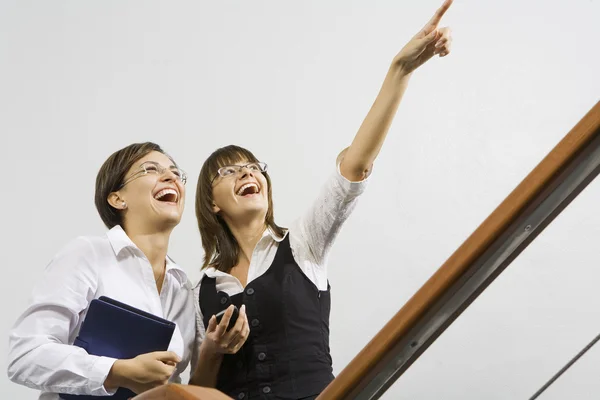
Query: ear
[[215, 208], [116, 201]]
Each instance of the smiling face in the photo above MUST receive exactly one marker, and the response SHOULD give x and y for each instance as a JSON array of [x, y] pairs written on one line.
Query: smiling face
[[240, 191], [153, 195], [237, 195]]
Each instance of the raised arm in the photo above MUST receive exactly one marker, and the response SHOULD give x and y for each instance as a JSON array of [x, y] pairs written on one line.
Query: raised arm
[[429, 41]]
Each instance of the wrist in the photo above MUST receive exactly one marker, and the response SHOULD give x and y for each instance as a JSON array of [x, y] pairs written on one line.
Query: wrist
[[209, 353], [399, 69], [116, 376]]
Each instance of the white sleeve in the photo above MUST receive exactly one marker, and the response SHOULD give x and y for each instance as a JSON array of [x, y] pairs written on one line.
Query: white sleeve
[[40, 352], [318, 228], [200, 330]]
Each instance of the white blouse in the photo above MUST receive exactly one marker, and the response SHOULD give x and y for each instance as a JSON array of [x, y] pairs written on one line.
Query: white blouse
[[41, 355]]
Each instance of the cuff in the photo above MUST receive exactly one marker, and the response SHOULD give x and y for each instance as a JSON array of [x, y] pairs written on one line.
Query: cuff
[[352, 188], [98, 375]]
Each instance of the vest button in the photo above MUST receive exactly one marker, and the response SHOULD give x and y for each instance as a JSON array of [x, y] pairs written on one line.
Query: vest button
[[262, 356], [255, 322], [241, 395], [223, 300], [266, 389], [250, 291]]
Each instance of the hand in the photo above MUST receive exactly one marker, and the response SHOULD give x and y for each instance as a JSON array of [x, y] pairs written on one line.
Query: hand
[[428, 42], [219, 341], [143, 372]]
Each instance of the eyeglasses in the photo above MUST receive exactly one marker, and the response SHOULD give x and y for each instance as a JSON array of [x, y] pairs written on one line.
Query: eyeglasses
[[154, 168], [231, 170]]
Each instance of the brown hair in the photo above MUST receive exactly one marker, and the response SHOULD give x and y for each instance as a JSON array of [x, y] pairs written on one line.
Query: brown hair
[[221, 250], [111, 176]]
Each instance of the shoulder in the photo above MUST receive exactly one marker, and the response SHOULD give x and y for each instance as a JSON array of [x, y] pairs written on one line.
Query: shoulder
[[83, 247]]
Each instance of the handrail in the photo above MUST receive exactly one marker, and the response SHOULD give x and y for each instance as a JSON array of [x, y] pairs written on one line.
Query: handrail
[[516, 222]]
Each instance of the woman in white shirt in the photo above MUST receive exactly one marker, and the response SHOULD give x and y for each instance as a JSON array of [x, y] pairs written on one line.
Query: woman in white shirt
[[277, 277], [140, 195]]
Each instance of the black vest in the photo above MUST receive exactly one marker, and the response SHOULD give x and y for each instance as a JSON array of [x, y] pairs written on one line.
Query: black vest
[[286, 355]]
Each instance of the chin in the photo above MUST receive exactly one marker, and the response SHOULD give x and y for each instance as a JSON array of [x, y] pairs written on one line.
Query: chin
[[170, 220], [257, 208], [246, 212]]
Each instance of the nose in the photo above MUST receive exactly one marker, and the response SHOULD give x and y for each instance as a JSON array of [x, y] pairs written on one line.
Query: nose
[[245, 171], [168, 176]]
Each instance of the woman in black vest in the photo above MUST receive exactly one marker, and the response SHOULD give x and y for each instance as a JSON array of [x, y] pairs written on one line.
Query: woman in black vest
[[279, 346]]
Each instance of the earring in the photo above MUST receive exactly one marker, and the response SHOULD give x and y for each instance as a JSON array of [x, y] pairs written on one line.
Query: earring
[[124, 205]]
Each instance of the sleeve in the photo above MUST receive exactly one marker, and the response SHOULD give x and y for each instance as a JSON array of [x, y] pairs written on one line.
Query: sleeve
[[320, 225], [40, 352], [200, 330]]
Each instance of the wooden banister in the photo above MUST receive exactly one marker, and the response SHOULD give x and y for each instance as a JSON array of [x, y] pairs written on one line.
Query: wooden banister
[[182, 392], [517, 221]]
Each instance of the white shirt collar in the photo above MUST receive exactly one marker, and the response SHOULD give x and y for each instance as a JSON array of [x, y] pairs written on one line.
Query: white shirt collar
[[212, 272], [274, 235], [119, 240]]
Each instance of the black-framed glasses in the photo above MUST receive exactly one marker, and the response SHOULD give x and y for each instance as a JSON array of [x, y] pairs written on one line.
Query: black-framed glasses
[[231, 170], [154, 168]]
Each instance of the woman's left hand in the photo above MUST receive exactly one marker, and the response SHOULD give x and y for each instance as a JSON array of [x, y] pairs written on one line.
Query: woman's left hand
[[428, 42]]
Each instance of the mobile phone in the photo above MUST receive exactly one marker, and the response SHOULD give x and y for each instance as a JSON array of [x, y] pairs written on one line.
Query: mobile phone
[[232, 320]]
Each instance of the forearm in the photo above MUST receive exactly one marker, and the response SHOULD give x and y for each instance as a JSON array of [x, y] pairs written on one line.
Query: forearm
[[58, 368], [370, 137], [207, 370]]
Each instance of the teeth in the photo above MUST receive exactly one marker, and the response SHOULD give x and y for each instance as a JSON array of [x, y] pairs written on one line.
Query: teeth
[[246, 186], [165, 192]]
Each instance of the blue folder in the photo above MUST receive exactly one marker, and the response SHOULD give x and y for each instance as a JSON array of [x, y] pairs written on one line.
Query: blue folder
[[117, 330]]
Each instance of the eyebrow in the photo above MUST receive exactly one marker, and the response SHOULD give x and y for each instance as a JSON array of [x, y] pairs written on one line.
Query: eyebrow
[[240, 164], [157, 163]]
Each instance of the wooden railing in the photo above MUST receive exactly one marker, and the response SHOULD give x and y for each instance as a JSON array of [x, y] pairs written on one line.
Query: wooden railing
[[517, 221]]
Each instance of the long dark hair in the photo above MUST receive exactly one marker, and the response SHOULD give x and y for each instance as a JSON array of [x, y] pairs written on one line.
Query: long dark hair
[[221, 250]]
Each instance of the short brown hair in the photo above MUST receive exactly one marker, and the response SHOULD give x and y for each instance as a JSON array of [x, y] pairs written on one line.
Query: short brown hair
[[221, 250], [111, 176]]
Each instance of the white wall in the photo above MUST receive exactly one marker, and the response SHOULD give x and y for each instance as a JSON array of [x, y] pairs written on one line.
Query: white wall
[[292, 81]]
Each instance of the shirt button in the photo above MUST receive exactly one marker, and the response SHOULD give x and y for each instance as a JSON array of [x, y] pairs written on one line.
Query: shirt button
[[255, 322], [241, 395], [223, 300], [262, 356], [266, 389], [250, 291]]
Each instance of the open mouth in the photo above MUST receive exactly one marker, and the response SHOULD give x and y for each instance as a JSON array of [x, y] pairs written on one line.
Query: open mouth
[[167, 196], [248, 189]]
